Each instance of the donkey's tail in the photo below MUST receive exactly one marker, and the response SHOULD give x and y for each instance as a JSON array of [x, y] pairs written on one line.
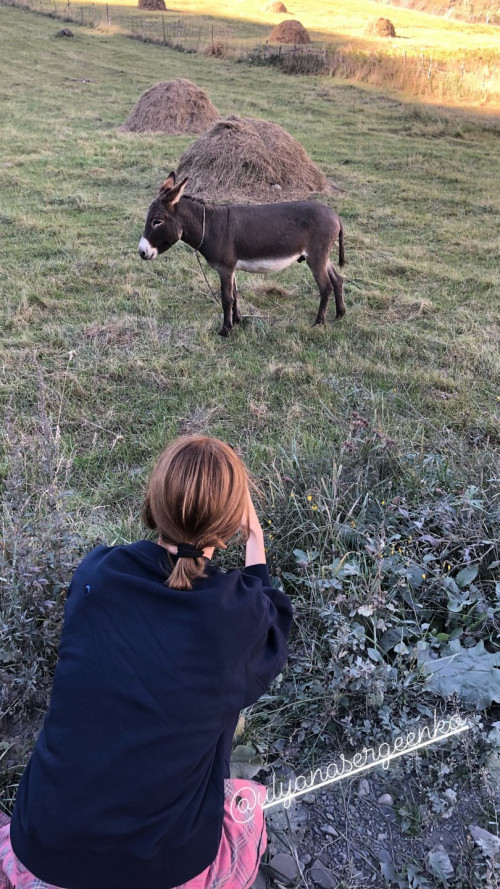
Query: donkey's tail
[[341, 245]]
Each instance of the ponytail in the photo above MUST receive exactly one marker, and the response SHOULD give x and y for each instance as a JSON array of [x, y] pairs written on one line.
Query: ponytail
[[185, 572]]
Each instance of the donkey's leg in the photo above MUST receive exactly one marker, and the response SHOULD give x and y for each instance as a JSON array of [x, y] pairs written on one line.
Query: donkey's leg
[[226, 292], [237, 317], [325, 286], [337, 282]]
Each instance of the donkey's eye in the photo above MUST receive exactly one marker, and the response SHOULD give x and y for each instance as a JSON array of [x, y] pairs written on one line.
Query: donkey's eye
[[157, 222]]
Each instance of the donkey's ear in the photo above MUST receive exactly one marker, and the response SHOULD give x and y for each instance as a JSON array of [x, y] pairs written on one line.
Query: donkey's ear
[[168, 184], [176, 193]]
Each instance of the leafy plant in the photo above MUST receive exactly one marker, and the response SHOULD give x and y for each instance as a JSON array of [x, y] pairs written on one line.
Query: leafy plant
[[38, 553]]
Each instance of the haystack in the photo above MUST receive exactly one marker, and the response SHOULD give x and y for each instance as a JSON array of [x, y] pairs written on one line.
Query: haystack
[[172, 106], [289, 32], [277, 7], [249, 160], [152, 5], [382, 28]]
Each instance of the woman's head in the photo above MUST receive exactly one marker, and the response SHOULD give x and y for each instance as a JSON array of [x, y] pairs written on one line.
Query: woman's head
[[197, 494]]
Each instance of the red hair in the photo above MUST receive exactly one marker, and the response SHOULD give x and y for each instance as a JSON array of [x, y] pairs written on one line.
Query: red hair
[[198, 494]]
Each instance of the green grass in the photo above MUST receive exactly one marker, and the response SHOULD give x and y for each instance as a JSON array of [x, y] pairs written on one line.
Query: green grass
[[386, 420], [419, 194]]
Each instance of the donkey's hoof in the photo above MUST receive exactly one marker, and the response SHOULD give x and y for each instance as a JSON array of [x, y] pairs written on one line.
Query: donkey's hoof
[[318, 322], [223, 331], [340, 315]]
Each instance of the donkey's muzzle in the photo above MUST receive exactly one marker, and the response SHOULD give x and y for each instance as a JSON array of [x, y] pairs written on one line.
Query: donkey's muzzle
[[146, 251]]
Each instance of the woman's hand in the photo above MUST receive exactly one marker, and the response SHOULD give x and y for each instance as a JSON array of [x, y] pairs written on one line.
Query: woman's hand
[[255, 552]]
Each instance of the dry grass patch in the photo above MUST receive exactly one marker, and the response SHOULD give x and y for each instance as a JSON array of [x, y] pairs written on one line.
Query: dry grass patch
[[115, 332], [250, 159], [271, 291], [172, 106], [400, 308], [197, 422], [409, 309]]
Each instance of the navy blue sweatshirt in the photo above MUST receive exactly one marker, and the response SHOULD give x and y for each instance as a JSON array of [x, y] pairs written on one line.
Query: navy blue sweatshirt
[[125, 787]]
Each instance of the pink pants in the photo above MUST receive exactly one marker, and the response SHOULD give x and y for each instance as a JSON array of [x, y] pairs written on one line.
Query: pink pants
[[235, 866]]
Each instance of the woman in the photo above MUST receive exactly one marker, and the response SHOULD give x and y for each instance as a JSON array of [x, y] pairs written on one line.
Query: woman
[[159, 652]]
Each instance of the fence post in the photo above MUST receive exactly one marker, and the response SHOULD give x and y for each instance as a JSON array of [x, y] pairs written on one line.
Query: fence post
[[108, 18], [163, 27]]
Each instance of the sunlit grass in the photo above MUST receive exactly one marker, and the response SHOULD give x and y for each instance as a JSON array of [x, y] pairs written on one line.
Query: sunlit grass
[[349, 20], [442, 61]]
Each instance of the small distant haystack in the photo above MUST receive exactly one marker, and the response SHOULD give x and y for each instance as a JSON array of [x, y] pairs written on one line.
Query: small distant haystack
[[152, 5], [382, 28], [172, 106], [289, 32], [250, 160], [217, 49], [277, 7]]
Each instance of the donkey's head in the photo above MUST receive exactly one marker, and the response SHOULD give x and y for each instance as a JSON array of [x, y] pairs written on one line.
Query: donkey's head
[[163, 226]]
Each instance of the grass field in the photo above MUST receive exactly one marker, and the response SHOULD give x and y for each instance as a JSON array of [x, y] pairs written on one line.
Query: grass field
[[367, 436], [431, 57], [460, 60], [345, 21]]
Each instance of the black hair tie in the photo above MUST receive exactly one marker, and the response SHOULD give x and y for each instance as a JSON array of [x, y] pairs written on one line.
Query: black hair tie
[[188, 551]]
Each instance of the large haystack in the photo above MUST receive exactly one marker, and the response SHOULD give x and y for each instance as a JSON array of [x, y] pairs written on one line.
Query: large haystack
[[382, 28], [250, 160], [289, 32], [277, 7], [172, 106], [152, 5]]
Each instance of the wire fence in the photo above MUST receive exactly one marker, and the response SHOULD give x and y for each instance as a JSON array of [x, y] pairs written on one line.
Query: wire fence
[[154, 28], [177, 33]]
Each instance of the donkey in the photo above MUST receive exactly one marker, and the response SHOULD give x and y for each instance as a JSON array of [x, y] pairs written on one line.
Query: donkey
[[255, 238]]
